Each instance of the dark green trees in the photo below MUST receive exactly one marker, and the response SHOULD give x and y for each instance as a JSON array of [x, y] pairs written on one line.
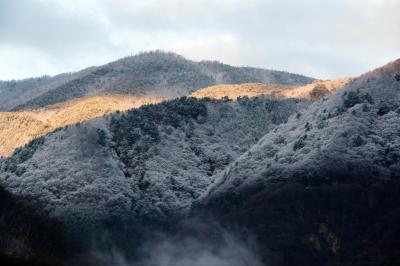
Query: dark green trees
[[101, 137]]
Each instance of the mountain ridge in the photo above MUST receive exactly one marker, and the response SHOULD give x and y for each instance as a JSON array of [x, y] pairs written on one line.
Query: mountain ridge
[[16, 92], [160, 73]]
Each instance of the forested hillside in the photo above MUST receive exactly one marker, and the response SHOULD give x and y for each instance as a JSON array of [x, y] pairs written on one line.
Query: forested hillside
[[19, 128], [357, 125], [259, 180], [326, 183], [154, 74], [148, 163], [17, 92]]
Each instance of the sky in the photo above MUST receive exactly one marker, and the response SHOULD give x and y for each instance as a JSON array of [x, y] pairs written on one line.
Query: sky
[[323, 39]]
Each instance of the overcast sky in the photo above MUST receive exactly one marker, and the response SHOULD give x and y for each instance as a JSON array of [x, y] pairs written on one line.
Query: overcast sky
[[323, 39]]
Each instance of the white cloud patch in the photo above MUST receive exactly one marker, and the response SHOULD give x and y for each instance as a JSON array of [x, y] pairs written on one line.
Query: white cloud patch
[[324, 39]]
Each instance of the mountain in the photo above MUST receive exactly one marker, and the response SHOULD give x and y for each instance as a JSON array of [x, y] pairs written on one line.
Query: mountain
[[151, 74], [323, 188], [353, 126], [147, 164], [312, 91], [44, 104], [248, 180], [19, 128]]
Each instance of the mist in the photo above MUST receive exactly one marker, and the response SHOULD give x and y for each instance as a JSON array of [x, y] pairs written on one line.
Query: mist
[[229, 251], [194, 245]]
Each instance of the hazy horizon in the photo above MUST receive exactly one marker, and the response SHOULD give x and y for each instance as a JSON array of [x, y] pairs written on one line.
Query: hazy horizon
[[324, 40]]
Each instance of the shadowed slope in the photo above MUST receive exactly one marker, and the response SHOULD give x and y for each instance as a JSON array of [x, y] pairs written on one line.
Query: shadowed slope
[[142, 167], [29, 236], [323, 189]]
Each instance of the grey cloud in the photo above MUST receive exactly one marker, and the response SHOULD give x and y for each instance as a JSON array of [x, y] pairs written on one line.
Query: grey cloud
[[324, 39], [29, 23]]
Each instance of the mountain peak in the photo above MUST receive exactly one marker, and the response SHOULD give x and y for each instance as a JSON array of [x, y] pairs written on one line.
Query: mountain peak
[[151, 56], [157, 73]]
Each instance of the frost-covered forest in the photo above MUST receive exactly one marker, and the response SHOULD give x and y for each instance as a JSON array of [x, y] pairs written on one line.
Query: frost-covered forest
[[357, 125], [319, 179], [149, 161], [329, 177]]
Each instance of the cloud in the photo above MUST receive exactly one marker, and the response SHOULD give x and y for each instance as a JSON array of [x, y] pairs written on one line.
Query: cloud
[[324, 39]]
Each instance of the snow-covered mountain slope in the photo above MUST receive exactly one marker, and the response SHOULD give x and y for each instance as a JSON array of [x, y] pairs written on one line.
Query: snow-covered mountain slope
[[322, 189], [156, 74], [358, 125], [147, 162]]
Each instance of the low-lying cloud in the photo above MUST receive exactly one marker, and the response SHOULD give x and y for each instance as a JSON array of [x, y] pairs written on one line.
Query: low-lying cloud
[[228, 251], [197, 244]]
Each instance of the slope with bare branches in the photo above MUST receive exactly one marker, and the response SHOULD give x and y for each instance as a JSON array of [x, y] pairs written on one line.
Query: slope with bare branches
[[18, 128], [311, 91]]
